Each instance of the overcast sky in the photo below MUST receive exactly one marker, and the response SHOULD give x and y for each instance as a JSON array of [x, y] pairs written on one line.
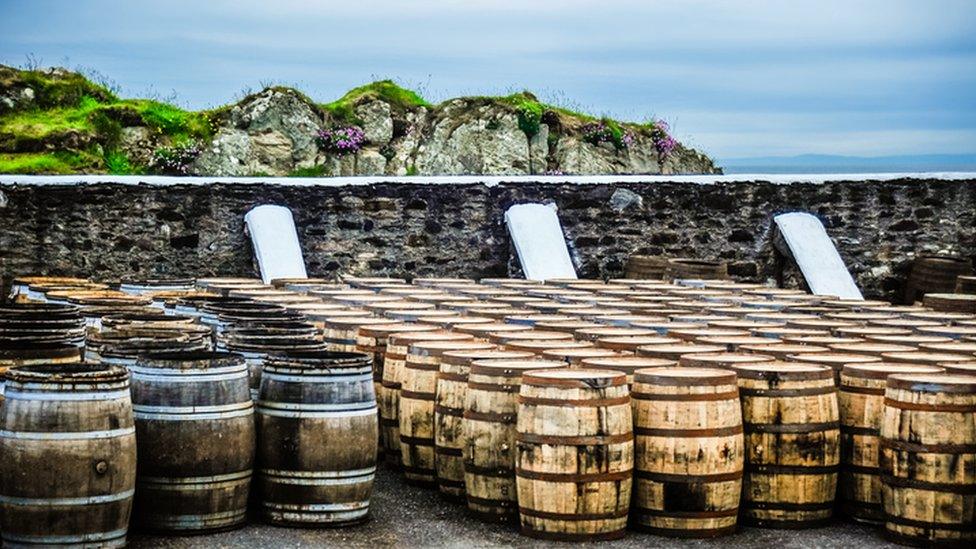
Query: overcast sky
[[733, 77]]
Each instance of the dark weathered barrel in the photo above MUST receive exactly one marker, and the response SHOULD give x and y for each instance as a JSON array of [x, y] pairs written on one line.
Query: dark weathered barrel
[[195, 433], [69, 455], [317, 434]]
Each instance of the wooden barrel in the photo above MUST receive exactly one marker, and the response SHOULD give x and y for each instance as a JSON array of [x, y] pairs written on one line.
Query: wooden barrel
[[928, 459], [677, 350], [697, 268], [861, 402], [688, 451], [965, 284], [320, 396], [575, 356], [183, 403], [340, 333], [394, 360], [935, 274], [792, 438], [924, 357], [836, 361], [488, 428], [952, 303], [417, 400], [646, 267], [626, 364], [781, 351], [68, 443], [452, 388], [722, 360], [575, 460]]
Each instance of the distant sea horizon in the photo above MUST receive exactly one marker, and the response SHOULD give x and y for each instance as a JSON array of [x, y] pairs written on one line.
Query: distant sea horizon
[[826, 163]]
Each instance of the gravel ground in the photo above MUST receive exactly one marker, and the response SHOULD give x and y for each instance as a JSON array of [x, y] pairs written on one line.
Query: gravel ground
[[407, 516]]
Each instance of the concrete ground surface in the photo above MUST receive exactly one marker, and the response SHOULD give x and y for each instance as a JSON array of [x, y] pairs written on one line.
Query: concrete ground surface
[[407, 516]]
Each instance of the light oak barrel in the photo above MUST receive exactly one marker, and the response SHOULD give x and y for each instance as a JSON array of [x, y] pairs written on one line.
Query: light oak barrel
[[574, 356], [417, 396], [928, 459], [688, 451], [629, 344], [452, 387], [575, 454], [792, 436], [721, 360], [488, 435], [626, 364], [836, 361], [316, 438], [860, 398], [68, 442], [677, 350]]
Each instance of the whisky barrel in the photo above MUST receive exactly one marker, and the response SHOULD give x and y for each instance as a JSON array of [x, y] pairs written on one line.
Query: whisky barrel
[[625, 364], [574, 356], [724, 360], [861, 401], [688, 451], [951, 303], [325, 397], [965, 284], [452, 388], [575, 454], [538, 347], [418, 394], [183, 403], [340, 333], [935, 274], [782, 351], [836, 361], [629, 344], [679, 268], [677, 350], [646, 267], [928, 452], [488, 435], [68, 443], [792, 436], [14, 354]]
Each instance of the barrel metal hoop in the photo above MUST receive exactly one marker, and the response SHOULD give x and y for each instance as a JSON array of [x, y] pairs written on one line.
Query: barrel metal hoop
[[673, 477], [573, 477], [874, 391], [51, 540], [688, 433], [269, 374], [200, 483], [392, 385], [68, 435], [804, 391], [494, 472], [450, 376], [416, 395], [916, 448], [582, 440], [78, 396], [445, 451], [851, 469], [448, 411], [855, 430], [416, 441], [305, 414], [492, 417], [695, 397], [144, 410], [620, 513], [507, 504], [422, 367], [924, 407], [793, 428], [773, 469], [492, 388], [164, 373], [644, 511], [926, 525], [576, 403], [949, 487], [57, 502]]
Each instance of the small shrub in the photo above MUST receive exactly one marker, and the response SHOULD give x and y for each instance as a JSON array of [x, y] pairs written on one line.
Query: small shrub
[[176, 160], [117, 163], [342, 140], [412, 170]]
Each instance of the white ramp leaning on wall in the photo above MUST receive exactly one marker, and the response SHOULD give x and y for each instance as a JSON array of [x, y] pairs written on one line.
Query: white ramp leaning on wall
[[815, 254], [275, 242], [539, 241]]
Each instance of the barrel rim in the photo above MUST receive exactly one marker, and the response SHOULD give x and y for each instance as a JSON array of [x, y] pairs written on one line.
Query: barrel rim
[[73, 373], [933, 383], [882, 370], [190, 359], [561, 378], [671, 376]]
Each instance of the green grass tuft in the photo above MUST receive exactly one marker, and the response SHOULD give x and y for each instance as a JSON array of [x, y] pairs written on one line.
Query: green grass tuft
[[117, 163], [400, 99], [313, 171], [58, 163]]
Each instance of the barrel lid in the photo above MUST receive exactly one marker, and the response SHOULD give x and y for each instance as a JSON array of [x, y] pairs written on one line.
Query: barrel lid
[[502, 338], [536, 318], [581, 378], [956, 347], [509, 367], [678, 348], [933, 383], [467, 356], [400, 305], [381, 330], [317, 359], [28, 349], [438, 348], [784, 348], [819, 323], [685, 376], [407, 338], [637, 341], [627, 362], [821, 340], [915, 339], [956, 331], [664, 327], [186, 360], [873, 348], [881, 370], [787, 371], [744, 324], [355, 321], [490, 327], [539, 345], [926, 357], [737, 340], [871, 330], [79, 372], [707, 332], [584, 352], [722, 358], [967, 368], [448, 320], [567, 325], [610, 331], [833, 358]]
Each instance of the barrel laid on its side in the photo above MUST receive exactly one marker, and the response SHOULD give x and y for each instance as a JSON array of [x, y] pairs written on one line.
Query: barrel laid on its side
[[928, 459], [195, 433], [68, 443], [688, 451], [316, 438], [575, 454]]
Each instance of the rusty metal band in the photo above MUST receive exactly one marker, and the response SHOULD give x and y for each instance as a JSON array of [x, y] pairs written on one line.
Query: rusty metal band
[[689, 433], [683, 533], [772, 469], [573, 477], [573, 383], [451, 376], [928, 526], [395, 385], [422, 366], [947, 487], [575, 403], [723, 513], [444, 451], [859, 431], [416, 395], [493, 417], [572, 517], [492, 388], [668, 381], [703, 397], [851, 469], [690, 479], [932, 387], [416, 441], [794, 428], [812, 375], [560, 536], [922, 407], [508, 505], [591, 440], [494, 472], [804, 391], [783, 506], [448, 411], [876, 391], [916, 448]]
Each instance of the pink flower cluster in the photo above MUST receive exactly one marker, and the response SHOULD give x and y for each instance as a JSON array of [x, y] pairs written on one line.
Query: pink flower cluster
[[347, 140], [663, 142]]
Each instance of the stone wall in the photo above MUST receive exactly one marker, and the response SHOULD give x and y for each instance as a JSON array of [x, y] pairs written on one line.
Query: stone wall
[[113, 230]]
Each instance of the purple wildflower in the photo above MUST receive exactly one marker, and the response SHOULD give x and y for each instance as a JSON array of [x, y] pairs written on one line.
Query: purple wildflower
[[663, 142], [343, 140]]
